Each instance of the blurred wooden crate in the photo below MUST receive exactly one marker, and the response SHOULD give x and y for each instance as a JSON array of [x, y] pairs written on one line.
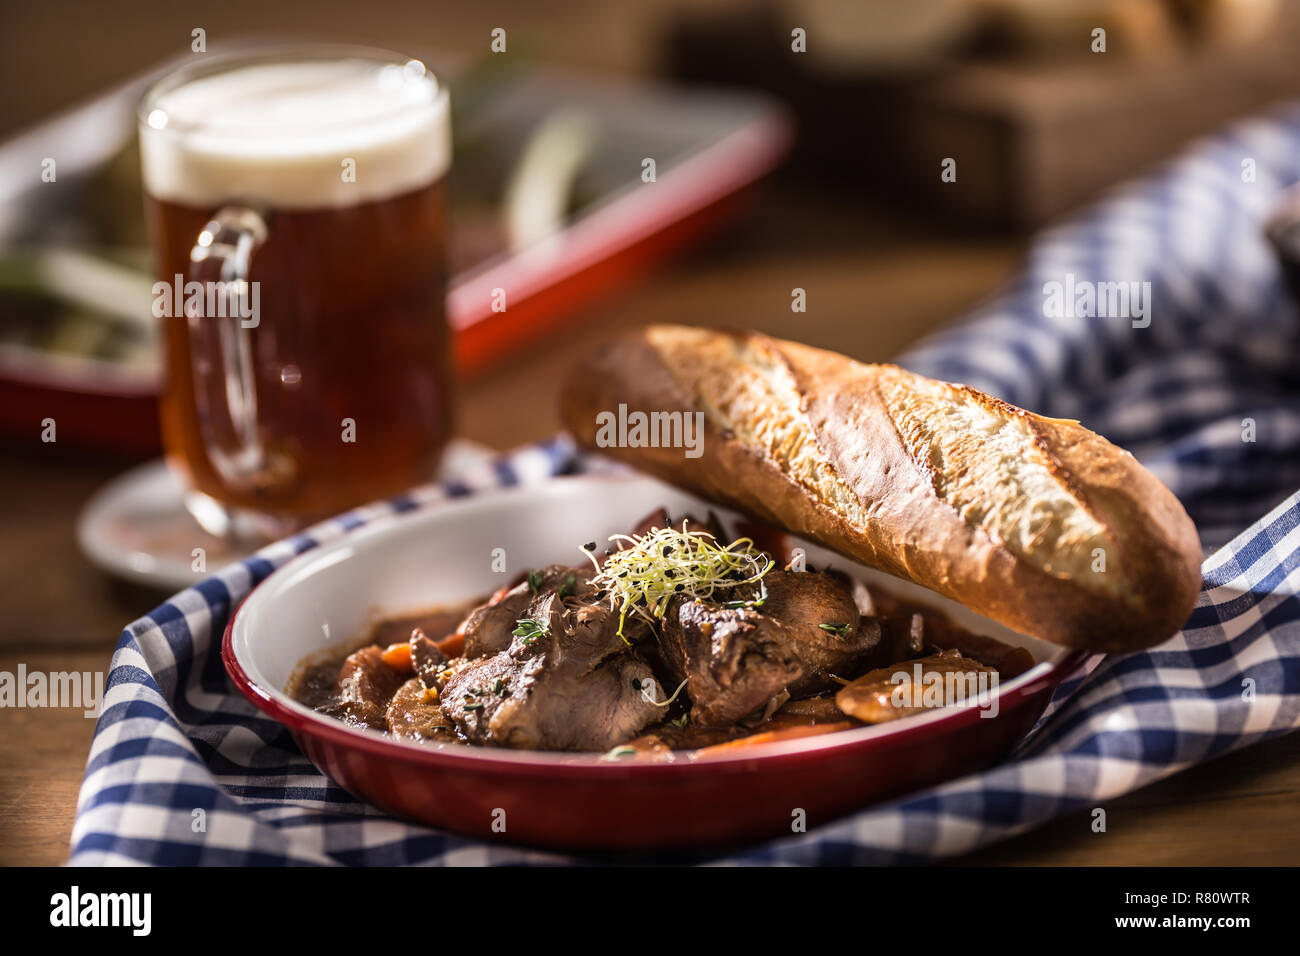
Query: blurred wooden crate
[[1034, 133], [1034, 140]]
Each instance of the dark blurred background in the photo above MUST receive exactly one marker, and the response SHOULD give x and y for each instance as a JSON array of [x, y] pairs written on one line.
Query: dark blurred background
[[1016, 79]]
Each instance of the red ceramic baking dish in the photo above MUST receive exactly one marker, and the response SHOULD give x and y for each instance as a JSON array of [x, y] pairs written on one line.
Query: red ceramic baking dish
[[443, 555]]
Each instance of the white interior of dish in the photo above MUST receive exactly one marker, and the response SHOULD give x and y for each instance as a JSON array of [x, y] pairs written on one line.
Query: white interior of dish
[[444, 554]]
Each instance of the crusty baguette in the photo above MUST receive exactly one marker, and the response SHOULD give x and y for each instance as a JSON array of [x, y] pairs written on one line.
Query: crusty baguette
[[1035, 522]]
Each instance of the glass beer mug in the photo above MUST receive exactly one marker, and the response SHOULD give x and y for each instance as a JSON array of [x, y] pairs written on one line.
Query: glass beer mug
[[296, 206]]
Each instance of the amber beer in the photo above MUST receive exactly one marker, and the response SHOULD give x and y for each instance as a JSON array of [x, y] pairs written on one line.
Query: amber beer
[[317, 180]]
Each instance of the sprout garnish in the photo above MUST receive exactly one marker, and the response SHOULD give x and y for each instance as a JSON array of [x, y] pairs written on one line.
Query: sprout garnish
[[648, 571]]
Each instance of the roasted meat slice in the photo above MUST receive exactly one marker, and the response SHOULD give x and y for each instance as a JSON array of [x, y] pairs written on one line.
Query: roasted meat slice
[[567, 681], [819, 617], [487, 628], [737, 660], [365, 686], [414, 713], [733, 660], [427, 659]]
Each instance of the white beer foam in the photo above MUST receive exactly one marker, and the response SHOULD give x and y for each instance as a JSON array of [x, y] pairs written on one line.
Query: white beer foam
[[279, 133]]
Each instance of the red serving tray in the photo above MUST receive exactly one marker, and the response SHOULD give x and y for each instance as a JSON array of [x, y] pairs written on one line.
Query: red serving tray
[[608, 245]]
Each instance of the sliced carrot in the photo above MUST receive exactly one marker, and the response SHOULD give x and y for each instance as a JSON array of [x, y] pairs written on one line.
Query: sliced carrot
[[772, 736], [453, 645], [398, 657]]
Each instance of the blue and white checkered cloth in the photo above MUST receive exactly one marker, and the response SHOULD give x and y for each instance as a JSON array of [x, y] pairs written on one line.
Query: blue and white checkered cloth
[[1207, 395]]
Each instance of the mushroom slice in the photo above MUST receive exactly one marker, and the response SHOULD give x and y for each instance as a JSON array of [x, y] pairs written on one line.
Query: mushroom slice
[[909, 687]]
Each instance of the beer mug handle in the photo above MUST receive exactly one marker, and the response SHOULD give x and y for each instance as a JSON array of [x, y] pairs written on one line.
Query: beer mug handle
[[224, 252]]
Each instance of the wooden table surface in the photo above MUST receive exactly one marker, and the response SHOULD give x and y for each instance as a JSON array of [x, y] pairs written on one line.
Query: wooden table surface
[[873, 285]]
